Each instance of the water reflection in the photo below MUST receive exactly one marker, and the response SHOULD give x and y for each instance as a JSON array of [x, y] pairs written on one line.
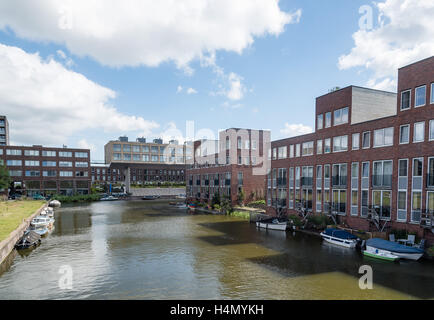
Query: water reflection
[[151, 250]]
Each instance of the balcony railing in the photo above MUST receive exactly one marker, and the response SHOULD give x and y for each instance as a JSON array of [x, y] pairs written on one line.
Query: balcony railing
[[382, 181], [339, 181], [306, 182]]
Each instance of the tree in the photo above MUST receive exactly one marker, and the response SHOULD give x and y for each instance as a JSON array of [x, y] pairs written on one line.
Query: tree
[[5, 179], [241, 197], [215, 199]]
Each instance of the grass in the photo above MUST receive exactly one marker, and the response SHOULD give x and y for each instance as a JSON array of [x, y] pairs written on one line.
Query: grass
[[241, 214], [12, 214], [77, 198]]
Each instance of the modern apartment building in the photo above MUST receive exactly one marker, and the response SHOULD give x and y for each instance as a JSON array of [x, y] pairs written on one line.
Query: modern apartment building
[[370, 161], [4, 131], [141, 162], [43, 170], [237, 161]]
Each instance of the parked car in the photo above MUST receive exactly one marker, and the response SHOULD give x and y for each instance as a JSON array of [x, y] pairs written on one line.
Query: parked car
[[38, 197]]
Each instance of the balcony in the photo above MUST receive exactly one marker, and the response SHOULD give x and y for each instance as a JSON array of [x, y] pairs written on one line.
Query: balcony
[[306, 182], [382, 181], [339, 181]]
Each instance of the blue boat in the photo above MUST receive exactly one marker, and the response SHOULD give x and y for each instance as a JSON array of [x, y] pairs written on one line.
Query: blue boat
[[394, 248], [340, 237]]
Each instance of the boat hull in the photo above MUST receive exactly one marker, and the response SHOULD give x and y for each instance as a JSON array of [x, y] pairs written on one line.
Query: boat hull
[[338, 241], [380, 254], [281, 226], [401, 255]]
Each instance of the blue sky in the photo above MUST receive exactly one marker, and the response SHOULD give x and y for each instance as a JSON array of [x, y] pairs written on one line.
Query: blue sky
[[280, 76]]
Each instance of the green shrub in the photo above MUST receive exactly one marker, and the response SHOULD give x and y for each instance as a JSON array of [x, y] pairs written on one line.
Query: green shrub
[[295, 219], [217, 207], [254, 204], [241, 214]]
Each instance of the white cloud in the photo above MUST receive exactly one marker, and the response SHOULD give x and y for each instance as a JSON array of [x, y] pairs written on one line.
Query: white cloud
[[236, 90], [179, 89], [47, 103], [404, 35], [146, 32], [68, 61], [293, 130], [191, 91]]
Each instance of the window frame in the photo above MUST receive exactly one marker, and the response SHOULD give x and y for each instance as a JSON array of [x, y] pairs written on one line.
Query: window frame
[[358, 141], [414, 132], [408, 136], [409, 100], [369, 140], [415, 97]]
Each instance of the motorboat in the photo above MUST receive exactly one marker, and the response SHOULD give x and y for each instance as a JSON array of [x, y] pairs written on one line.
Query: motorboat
[[394, 248], [40, 230], [150, 197], [379, 254], [41, 221], [181, 206], [181, 196], [340, 238], [280, 224], [109, 198], [28, 240], [54, 204]]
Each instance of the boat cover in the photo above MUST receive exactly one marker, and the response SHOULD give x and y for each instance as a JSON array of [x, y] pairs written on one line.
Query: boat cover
[[341, 234], [391, 246]]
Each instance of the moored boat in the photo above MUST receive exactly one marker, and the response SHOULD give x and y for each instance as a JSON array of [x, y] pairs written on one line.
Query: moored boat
[[150, 197], [41, 230], [395, 249], [55, 204], [380, 254], [109, 198], [28, 240], [340, 238], [279, 224]]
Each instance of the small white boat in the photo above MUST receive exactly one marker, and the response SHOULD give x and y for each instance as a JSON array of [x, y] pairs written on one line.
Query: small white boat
[[380, 254], [273, 224], [340, 238], [396, 249], [41, 230], [181, 206], [41, 221], [55, 204], [109, 198]]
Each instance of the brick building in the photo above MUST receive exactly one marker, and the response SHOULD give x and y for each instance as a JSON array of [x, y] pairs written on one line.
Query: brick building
[[43, 170], [369, 162], [4, 131], [237, 161]]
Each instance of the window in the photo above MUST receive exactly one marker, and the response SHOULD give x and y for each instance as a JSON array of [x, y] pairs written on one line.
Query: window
[[365, 170], [366, 143], [48, 153], [319, 122], [297, 150], [340, 174], [65, 154], [239, 143], [31, 163], [81, 155], [49, 173], [402, 205], [126, 148], [11, 152], [116, 156], [82, 174], [383, 137], [116, 148], [33, 173], [240, 179], [127, 156], [327, 171], [31, 153], [65, 164], [307, 148], [291, 151], [432, 93], [420, 97], [356, 141], [417, 167], [154, 158], [15, 173], [405, 99], [282, 152], [14, 163], [154, 149], [382, 174], [49, 163], [274, 153], [341, 116], [381, 202], [327, 145], [247, 144], [81, 164], [431, 130], [404, 134], [66, 174], [419, 132], [328, 120], [340, 144], [319, 147], [145, 149], [403, 168], [136, 149]]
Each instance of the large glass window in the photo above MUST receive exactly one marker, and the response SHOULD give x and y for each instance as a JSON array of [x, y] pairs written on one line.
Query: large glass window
[[291, 151], [282, 152], [31, 153], [403, 168], [340, 144], [383, 137], [307, 148], [48, 153], [356, 141], [420, 97], [319, 147], [116, 148], [297, 150], [341, 116], [382, 174], [381, 202], [405, 99], [417, 167], [404, 134], [366, 143], [419, 132]]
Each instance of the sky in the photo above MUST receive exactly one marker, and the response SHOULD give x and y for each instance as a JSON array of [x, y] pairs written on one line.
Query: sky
[[82, 73]]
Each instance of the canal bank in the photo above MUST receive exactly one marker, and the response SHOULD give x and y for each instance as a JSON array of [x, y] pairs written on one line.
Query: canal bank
[[8, 244]]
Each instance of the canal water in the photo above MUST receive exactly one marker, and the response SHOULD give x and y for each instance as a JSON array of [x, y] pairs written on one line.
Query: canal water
[[151, 250]]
